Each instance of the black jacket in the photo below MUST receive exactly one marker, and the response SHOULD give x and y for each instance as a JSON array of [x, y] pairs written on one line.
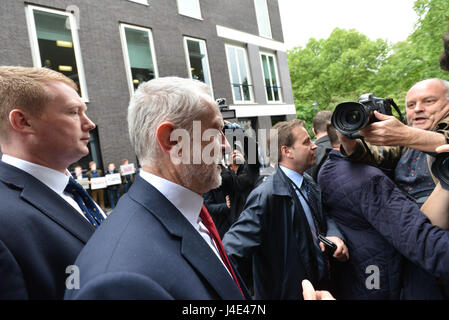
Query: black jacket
[[238, 186], [272, 242], [215, 202]]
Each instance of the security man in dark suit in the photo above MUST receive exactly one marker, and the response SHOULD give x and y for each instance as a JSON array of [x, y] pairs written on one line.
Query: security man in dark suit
[[43, 224]]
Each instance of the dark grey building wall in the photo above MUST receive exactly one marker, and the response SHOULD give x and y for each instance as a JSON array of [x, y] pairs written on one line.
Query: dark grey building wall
[[103, 57]]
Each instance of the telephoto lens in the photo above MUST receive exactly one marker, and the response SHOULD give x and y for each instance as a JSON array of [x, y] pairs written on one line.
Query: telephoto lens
[[440, 169], [350, 117]]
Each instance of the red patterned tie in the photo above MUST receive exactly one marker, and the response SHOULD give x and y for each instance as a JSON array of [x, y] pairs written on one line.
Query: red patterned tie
[[209, 223]]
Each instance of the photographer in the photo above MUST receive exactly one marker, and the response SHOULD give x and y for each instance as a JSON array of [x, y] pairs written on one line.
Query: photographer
[[404, 146], [436, 207], [238, 179]]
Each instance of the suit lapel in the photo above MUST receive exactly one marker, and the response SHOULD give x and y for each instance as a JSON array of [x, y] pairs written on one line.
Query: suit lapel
[[206, 262], [193, 247], [46, 201]]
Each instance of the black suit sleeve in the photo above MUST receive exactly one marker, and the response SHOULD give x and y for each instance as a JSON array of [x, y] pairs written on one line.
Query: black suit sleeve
[[12, 284], [119, 286], [245, 236]]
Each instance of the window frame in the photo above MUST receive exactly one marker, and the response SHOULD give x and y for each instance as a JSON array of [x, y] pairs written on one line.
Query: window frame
[[35, 51], [276, 71], [189, 71], [127, 62], [248, 71], [200, 17], [258, 18]]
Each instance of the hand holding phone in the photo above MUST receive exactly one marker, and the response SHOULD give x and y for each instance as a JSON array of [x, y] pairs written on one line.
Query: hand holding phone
[[328, 244]]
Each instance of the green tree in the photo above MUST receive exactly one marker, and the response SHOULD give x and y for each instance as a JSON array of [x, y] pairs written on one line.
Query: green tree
[[348, 64], [333, 70]]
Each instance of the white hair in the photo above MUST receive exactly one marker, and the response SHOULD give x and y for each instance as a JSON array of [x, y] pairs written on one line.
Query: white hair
[[173, 99], [443, 82]]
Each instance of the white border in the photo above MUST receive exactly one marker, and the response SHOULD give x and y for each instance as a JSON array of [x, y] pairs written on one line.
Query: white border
[[250, 80], [35, 53], [129, 77], [186, 51], [276, 74], [243, 37], [260, 110]]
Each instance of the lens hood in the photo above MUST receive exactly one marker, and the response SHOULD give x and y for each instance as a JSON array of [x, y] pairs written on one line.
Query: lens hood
[[440, 169], [350, 117]]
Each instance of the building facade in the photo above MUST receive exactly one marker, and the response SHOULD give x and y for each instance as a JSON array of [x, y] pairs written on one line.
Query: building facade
[[108, 47]]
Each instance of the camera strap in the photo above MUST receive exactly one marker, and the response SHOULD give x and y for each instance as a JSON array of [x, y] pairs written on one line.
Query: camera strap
[[395, 106]]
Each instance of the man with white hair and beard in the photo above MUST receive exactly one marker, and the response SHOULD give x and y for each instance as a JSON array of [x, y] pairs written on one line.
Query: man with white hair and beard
[[160, 242]]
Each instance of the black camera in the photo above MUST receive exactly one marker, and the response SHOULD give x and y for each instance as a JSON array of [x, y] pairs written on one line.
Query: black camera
[[226, 113], [440, 169], [350, 117]]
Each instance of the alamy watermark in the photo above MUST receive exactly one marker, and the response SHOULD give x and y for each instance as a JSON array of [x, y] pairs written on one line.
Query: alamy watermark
[[373, 280], [206, 147], [72, 282]]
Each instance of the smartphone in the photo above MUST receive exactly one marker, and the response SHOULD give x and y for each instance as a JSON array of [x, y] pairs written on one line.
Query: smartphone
[[328, 244]]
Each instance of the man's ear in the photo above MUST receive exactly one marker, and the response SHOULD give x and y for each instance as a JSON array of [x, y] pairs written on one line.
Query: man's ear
[[285, 152], [163, 134], [20, 121]]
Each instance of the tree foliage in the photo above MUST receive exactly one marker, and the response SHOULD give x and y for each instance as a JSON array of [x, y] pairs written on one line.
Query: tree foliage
[[348, 64]]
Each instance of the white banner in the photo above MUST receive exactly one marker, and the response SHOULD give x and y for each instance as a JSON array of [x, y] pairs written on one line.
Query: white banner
[[98, 183], [127, 169], [113, 179], [84, 182]]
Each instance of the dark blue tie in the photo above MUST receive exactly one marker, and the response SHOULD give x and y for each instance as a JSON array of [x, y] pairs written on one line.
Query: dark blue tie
[[85, 202]]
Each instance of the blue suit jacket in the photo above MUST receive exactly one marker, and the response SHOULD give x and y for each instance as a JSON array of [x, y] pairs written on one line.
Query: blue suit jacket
[[40, 235], [147, 249]]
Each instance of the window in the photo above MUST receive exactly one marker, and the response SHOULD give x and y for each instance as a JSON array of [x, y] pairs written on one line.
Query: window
[[138, 52], [263, 18], [55, 44], [270, 74], [190, 8], [239, 73], [197, 61]]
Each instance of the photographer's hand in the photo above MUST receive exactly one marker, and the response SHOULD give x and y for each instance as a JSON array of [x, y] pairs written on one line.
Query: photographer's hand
[[443, 148], [436, 207], [389, 131]]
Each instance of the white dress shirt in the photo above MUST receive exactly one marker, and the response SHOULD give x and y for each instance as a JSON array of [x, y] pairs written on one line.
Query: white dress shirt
[[53, 179], [187, 202]]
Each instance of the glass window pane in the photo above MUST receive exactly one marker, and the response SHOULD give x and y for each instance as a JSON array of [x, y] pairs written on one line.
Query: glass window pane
[[266, 72], [55, 42], [237, 92], [263, 18], [140, 56], [189, 8], [274, 81], [239, 74], [242, 66], [276, 93], [198, 60], [233, 66]]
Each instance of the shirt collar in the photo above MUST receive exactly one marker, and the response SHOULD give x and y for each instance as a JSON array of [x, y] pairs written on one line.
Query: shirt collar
[[53, 179], [186, 201], [296, 177]]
